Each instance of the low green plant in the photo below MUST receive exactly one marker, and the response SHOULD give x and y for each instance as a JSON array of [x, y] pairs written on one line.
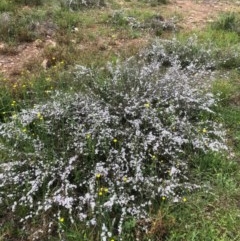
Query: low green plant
[[21, 27], [6, 6], [156, 2], [29, 2], [122, 19], [228, 22], [78, 4], [66, 20], [229, 58], [225, 89]]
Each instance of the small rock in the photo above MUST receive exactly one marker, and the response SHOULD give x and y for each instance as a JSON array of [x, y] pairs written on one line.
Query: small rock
[[75, 30], [45, 64], [38, 43], [50, 43], [2, 46]]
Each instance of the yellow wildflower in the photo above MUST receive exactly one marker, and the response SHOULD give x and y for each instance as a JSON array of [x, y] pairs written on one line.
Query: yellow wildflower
[[100, 193], [204, 130], [98, 175], [163, 198], [103, 189], [61, 220], [115, 140], [39, 115], [13, 103], [146, 105], [184, 199]]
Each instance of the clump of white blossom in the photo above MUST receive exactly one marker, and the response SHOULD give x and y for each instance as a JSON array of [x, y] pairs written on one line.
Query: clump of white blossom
[[113, 149]]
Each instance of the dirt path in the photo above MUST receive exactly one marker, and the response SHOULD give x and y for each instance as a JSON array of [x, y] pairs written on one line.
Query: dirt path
[[192, 14]]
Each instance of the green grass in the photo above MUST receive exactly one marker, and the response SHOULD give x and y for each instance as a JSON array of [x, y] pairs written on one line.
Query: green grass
[[228, 21]]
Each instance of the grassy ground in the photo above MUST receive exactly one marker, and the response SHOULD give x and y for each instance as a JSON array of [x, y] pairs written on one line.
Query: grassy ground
[[93, 37]]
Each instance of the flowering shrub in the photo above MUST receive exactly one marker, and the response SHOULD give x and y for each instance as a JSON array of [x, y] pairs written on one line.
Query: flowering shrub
[[114, 149], [76, 4], [120, 18], [191, 52]]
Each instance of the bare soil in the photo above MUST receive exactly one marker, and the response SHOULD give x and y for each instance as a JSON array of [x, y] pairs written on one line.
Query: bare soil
[[12, 63], [196, 13]]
